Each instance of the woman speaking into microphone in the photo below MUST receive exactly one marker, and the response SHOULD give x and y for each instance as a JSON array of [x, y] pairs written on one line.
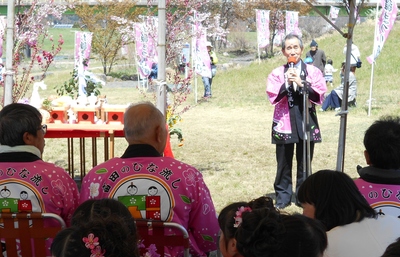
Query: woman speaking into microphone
[[285, 86]]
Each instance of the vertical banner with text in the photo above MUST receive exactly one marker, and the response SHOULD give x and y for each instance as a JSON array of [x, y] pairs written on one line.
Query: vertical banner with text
[[202, 62], [83, 45], [146, 44], [292, 23], [333, 15], [385, 25], [262, 17]]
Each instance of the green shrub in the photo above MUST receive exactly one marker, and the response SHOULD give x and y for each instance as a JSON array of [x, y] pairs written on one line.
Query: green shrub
[[71, 86]]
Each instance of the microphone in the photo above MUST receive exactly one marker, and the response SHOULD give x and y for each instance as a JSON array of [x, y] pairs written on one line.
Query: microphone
[[291, 61]]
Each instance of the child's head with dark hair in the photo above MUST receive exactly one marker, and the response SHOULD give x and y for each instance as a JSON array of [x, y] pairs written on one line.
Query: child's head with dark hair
[[111, 238], [226, 219], [107, 219], [329, 61], [333, 198], [102, 209], [257, 229], [382, 143]]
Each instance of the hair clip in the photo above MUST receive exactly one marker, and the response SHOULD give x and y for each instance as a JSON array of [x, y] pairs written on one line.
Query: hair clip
[[92, 243], [238, 217], [97, 252]]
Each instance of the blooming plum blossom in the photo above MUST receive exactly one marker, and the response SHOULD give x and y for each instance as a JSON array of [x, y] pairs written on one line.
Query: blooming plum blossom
[[30, 30]]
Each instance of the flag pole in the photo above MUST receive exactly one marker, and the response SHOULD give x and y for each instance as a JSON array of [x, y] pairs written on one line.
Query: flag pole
[[373, 62], [258, 39]]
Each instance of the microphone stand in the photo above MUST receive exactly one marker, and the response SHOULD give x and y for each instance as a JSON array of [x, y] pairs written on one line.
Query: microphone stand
[[306, 133]]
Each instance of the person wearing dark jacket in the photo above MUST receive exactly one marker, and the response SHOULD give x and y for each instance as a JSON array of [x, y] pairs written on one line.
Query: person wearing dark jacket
[[318, 56], [379, 182]]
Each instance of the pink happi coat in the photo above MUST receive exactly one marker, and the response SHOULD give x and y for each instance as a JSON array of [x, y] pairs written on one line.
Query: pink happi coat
[[281, 118], [37, 186], [159, 188]]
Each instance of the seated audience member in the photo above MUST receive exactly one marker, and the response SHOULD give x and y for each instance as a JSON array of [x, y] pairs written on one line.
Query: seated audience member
[[393, 250], [37, 186], [153, 186], [379, 182], [101, 228], [334, 99], [256, 229], [353, 227]]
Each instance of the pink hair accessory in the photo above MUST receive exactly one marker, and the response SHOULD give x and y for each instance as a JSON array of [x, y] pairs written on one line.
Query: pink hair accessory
[[92, 243], [97, 252], [238, 217]]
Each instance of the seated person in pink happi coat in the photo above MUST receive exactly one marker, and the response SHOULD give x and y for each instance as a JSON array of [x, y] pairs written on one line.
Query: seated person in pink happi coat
[[27, 183], [156, 187], [379, 182]]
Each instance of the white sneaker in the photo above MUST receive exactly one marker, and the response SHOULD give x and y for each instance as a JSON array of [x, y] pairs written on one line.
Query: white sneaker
[[337, 109]]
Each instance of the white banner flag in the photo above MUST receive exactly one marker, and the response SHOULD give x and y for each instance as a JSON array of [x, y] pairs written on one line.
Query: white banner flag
[[385, 24], [202, 62], [333, 14], [292, 23], [83, 45], [262, 18], [146, 44]]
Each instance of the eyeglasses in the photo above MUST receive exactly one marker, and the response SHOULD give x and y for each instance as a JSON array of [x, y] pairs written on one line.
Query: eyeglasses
[[43, 128]]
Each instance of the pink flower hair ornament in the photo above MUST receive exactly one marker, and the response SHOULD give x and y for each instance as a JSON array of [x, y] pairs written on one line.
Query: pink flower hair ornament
[[92, 243], [97, 252], [238, 217]]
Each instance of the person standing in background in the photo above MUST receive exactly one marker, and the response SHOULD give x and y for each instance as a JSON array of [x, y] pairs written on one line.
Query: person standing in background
[[206, 80], [329, 70], [318, 56]]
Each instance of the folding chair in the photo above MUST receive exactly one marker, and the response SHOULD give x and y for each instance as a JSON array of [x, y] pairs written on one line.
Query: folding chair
[[153, 232], [30, 232]]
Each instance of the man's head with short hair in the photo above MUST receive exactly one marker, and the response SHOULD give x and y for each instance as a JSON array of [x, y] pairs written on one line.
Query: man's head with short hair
[[291, 36], [382, 143], [292, 47], [145, 124], [21, 124]]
